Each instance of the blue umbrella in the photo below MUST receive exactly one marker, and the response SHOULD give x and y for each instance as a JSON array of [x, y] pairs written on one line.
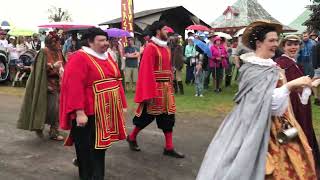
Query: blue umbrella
[[115, 32], [203, 46], [5, 23]]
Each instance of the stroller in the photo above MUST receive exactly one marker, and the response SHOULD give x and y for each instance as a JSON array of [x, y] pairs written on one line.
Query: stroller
[[4, 65], [24, 67]]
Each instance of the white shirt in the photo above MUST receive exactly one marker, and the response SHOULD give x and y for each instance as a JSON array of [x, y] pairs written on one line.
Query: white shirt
[[4, 43], [280, 96], [13, 54]]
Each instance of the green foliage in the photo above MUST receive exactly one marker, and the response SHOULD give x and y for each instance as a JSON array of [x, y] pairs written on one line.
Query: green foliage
[[313, 23]]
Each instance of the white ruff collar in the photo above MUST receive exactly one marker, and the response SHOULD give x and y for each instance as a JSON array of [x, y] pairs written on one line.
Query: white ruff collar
[[90, 51], [159, 42], [253, 59]]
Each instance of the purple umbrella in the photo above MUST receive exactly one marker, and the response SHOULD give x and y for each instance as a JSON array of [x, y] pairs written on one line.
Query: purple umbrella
[[115, 32]]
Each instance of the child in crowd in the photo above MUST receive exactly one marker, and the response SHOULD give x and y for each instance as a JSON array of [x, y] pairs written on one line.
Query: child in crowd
[[199, 78]]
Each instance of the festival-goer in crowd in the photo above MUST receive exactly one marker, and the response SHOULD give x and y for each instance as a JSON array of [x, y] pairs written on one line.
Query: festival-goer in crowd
[[241, 49], [35, 43], [302, 110], [116, 51], [155, 94], [177, 64], [71, 45], [41, 101], [305, 55], [13, 57], [218, 62], [92, 103], [203, 57], [132, 55], [316, 66], [199, 79], [208, 70], [190, 54], [28, 41], [21, 45], [249, 136], [3, 41], [314, 36], [229, 69]]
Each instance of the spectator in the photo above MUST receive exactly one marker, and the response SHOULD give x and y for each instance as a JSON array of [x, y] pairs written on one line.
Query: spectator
[[305, 54], [21, 45], [3, 42], [36, 43], [190, 54], [199, 79], [13, 57], [218, 62], [28, 41], [316, 66], [177, 63], [71, 45], [132, 55], [116, 51]]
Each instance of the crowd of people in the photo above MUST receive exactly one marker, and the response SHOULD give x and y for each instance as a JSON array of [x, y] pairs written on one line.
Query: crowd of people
[[78, 83]]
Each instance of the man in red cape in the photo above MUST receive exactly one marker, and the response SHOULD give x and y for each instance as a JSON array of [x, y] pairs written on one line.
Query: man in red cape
[[154, 91], [92, 103]]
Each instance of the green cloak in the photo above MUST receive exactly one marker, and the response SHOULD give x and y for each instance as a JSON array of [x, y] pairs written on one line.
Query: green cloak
[[34, 106]]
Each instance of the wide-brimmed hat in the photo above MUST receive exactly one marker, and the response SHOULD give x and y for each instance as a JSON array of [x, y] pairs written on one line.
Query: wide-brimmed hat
[[290, 37], [245, 37]]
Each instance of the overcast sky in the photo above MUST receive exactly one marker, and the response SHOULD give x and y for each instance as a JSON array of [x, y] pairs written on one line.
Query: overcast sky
[[30, 13]]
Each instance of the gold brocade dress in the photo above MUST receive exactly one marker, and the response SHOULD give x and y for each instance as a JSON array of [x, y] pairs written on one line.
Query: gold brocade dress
[[291, 161]]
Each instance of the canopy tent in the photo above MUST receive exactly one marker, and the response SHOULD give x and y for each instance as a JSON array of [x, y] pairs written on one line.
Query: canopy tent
[[298, 22]]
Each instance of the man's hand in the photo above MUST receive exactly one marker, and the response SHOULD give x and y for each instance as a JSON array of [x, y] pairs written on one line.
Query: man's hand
[[81, 119]]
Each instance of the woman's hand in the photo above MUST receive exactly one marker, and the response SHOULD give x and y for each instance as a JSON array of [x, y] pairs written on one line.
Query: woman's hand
[[81, 119], [304, 81], [315, 83]]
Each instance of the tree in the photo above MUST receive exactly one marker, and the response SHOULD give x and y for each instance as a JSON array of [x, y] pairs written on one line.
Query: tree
[[313, 23], [58, 14]]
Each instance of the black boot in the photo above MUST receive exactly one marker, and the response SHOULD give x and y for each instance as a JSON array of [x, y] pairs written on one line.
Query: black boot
[[180, 87], [175, 86], [218, 89], [228, 80], [173, 153], [133, 145]]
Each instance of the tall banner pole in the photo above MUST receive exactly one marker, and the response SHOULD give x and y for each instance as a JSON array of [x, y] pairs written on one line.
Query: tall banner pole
[[127, 18]]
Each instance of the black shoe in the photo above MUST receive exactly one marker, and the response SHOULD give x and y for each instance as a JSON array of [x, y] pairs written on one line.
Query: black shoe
[[317, 102], [173, 153], [133, 145], [75, 162]]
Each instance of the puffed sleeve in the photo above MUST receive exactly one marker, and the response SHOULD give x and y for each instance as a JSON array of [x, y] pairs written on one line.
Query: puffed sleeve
[[280, 100]]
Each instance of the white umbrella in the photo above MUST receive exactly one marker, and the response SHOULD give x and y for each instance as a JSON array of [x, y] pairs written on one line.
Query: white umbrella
[[224, 35], [240, 32]]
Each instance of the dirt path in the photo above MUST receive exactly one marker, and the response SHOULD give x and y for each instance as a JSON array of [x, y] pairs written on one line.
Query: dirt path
[[25, 157]]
